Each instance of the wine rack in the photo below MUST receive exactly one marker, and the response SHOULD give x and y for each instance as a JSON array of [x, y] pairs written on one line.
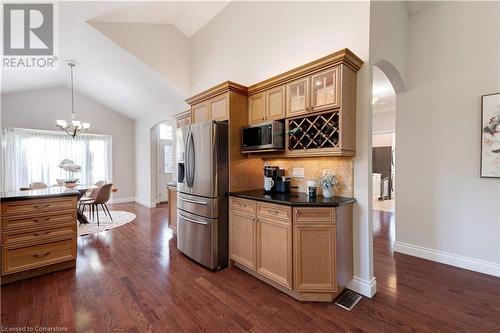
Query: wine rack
[[320, 131]]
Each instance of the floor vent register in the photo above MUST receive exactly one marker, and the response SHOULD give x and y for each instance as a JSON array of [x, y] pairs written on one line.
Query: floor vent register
[[347, 299]]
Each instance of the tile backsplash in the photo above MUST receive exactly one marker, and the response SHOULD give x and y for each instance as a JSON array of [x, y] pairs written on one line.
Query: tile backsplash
[[313, 169]]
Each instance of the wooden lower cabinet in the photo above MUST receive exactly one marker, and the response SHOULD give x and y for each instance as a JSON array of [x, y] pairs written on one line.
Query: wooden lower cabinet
[[242, 238], [274, 250], [38, 236], [314, 253], [306, 251], [172, 208]]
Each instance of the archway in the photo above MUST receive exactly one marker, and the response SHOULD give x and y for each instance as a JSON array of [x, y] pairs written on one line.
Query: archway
[[162, 159], [387, 86]]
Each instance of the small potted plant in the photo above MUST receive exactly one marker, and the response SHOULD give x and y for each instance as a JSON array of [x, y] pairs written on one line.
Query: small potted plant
[[328, 181]]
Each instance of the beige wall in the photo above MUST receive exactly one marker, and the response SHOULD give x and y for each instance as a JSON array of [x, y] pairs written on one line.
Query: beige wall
[[160, 46], [39, 109], [313, 169], [444, 210]]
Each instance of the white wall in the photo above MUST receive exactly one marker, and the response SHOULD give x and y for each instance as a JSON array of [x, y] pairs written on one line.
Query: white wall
[[445, 211], [248, 42], [251, 41], [39, 109], [384, 122]]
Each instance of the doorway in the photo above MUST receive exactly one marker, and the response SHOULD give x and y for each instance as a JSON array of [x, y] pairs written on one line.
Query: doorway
[[162, 161], [383, 143]]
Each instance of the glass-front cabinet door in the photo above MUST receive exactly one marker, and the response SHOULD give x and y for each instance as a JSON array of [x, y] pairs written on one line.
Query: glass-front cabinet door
[[325, 89], [297, 101]]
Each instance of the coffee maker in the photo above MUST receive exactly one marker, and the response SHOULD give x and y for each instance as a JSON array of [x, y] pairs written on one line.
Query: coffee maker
[[270, 177]]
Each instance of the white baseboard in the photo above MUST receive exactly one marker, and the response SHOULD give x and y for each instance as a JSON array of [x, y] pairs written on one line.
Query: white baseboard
[[472, 264], [363, 287], [122, 200], [145, 203]]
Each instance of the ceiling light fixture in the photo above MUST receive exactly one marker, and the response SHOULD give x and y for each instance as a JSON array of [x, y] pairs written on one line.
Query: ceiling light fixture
[[72, 126]]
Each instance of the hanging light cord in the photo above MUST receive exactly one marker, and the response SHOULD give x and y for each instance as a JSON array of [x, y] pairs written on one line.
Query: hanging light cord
[[72, 92]]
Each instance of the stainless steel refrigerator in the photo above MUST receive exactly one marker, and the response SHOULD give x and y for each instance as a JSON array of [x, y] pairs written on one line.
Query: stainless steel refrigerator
[[202, 184]]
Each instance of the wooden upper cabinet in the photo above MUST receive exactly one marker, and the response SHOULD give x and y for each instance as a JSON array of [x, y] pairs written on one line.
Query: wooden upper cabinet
[[182, 119], [256, 108], [275, 103], [325, 89], [200, 112], [219, 107], [297, 97]]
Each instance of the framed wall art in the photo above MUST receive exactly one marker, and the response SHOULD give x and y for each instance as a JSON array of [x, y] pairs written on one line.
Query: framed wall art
[[490, 136]]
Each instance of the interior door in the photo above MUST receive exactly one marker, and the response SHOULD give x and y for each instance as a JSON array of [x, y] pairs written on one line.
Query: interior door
[[165, 159]]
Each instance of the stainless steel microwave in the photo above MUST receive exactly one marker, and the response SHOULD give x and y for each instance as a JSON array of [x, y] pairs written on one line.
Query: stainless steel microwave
[[263, 136]]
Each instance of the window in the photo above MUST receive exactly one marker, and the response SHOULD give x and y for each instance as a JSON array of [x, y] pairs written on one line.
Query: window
[[166, 132], [34, 156], [169, 159], [166, 136]]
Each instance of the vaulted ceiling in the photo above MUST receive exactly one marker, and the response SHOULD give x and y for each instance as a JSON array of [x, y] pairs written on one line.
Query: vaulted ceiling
[[118, 46]]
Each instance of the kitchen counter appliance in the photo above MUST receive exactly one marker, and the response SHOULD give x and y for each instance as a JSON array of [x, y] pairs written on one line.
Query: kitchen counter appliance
[[267, 136], [202, 184]]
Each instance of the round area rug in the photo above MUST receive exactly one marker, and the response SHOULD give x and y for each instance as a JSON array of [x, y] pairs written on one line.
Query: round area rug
[[119, 218]]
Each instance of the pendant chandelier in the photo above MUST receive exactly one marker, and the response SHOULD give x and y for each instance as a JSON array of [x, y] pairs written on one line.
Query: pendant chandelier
[[72, 126]]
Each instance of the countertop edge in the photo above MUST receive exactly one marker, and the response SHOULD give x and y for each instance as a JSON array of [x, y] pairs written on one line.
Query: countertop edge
[[345, 201], [38, 196]]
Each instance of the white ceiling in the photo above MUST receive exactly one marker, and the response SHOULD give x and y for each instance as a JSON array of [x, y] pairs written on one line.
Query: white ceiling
[[384, 98], [187, 16], [107, 72]]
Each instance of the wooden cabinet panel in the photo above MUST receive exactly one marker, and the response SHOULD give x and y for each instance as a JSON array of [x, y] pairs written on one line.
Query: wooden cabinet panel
[[37, 206], [297, 97], [242, 238], [22, 222], [325, 89], [9, 238], [219, 107], [256, 108], [23, 258], [274, 250], [200, 112], [314, 257], [315, 215], [280, 212], [184, 121], [243, 205], [172, 209], [275, 103]]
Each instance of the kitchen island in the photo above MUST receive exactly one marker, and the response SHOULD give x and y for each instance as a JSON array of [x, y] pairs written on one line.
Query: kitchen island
[[300, 245], [38, 232]]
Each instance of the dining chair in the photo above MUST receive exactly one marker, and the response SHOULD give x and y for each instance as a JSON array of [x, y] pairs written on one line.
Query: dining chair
[[102, 197], [93, 193], [38, 186]]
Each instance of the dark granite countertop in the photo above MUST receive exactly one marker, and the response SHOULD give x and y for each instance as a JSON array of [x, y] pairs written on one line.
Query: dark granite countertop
[[50, 192], [293, 199]]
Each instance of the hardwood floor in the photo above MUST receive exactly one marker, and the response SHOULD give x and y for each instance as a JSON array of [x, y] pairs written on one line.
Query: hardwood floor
[[133, 279]]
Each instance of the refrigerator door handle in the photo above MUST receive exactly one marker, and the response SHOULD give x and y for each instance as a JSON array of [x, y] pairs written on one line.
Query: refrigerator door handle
[[193, 201], [192, 159], [190, 220], [186, 158]]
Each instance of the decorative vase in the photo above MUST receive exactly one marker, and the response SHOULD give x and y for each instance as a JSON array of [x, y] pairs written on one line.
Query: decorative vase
[[327, 193]]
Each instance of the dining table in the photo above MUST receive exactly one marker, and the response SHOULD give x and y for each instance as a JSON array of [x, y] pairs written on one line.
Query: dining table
[[83, 189]]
